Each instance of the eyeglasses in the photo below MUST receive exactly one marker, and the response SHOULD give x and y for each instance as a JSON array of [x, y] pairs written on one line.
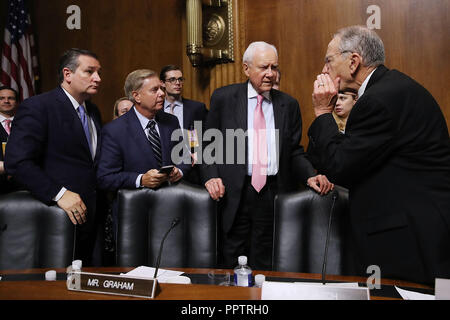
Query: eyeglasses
[[174, 80], [328, 59]]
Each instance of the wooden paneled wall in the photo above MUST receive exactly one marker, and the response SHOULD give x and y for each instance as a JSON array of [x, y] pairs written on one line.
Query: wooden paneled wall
[[416, 35], [151, 33], [126, 35]]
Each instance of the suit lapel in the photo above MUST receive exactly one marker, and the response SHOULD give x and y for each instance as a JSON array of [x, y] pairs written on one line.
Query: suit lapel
[[187, 115], [165, 136], [3, 133], [72, 121], [137, 134], [240, 107], [377, 75], [97, 124], [278, 114]]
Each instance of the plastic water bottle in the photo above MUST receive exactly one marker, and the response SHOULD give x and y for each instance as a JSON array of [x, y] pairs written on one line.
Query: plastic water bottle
[[243, 273]]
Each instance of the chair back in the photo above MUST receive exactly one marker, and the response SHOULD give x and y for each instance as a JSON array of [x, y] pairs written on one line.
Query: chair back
[[32, 234], [300, 232], [145, 215]]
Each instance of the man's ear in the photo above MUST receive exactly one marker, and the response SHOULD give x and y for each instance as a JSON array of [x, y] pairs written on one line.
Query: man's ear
[[136, 96], [67, 75], [245, 68], [355, 63]]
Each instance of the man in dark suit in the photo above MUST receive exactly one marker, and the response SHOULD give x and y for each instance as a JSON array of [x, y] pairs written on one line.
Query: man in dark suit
[[54, 143], [128, 156], [187, 111], [137, 144], [252, 171], [8, 107], [394, 157]]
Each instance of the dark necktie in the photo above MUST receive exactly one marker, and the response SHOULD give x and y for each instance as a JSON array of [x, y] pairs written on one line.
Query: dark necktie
[[155, 141]]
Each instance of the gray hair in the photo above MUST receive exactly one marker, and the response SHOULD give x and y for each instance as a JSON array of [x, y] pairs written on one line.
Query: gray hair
[[363, 41], [134, 81], [250, 51]]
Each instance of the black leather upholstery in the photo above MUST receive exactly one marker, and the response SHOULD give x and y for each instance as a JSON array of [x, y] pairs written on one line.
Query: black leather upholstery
[[33, 235], [301, 223], [145, 215]]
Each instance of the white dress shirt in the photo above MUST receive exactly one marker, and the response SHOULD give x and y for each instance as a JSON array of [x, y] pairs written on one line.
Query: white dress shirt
[[364, 84], [177, 110]]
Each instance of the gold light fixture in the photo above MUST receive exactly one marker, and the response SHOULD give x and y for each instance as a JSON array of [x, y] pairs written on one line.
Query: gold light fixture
[[209, 31]]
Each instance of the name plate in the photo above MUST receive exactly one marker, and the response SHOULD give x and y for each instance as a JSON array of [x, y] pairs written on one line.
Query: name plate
[[112, 284]]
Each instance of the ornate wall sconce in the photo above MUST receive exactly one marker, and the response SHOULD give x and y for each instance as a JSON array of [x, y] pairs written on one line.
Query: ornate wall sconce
[[209, 31]]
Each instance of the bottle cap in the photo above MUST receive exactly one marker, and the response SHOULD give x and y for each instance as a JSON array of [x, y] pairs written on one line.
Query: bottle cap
[[259, 279], [242, 260], [50, 275], [77, 264]]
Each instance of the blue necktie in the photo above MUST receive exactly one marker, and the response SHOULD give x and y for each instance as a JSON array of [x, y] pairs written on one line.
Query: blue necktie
[[84, 122], [155, 141]]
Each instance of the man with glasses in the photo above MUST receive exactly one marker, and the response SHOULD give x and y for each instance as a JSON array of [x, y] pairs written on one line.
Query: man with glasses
[[394, 157], [187, 111]]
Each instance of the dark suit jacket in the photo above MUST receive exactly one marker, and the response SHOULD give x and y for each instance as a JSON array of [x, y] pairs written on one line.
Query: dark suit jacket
[[193, 111], [126, 151], [228, 110], [3, 138], [6, 185], [48, 150], [395, 159]]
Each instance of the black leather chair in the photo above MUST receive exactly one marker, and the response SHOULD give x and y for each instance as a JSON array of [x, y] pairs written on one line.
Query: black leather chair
[[300, 231], [32, 234], [145, 215]]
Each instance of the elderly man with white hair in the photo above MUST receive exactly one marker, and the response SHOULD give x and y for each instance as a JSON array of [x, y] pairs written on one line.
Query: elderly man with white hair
[[394, 157], [255, 166]]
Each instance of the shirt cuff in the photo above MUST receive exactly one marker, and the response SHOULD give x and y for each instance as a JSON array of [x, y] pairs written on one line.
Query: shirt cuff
[[60, 194], [138, 181]]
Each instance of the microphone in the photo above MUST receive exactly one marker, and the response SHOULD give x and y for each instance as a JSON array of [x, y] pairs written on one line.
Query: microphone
[[158, 261], [324, 265]]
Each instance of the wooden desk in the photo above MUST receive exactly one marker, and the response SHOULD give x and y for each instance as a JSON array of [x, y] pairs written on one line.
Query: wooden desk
[[57, 290]]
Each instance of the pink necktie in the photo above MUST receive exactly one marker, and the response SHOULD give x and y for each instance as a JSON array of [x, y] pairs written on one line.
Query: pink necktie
[[259, 168], [172, 106], [7, 125]]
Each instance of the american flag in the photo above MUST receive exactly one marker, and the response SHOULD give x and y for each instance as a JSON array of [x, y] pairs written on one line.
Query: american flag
[[19, 60]]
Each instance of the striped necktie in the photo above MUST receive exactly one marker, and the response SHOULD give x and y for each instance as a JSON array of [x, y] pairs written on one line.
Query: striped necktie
[[155, 141]]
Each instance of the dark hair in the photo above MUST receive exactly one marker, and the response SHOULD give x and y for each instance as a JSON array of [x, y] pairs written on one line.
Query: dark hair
[[13, 90], [165, 69], [69, 59]]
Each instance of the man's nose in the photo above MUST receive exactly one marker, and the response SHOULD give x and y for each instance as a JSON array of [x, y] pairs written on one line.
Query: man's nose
[[97, 77]]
